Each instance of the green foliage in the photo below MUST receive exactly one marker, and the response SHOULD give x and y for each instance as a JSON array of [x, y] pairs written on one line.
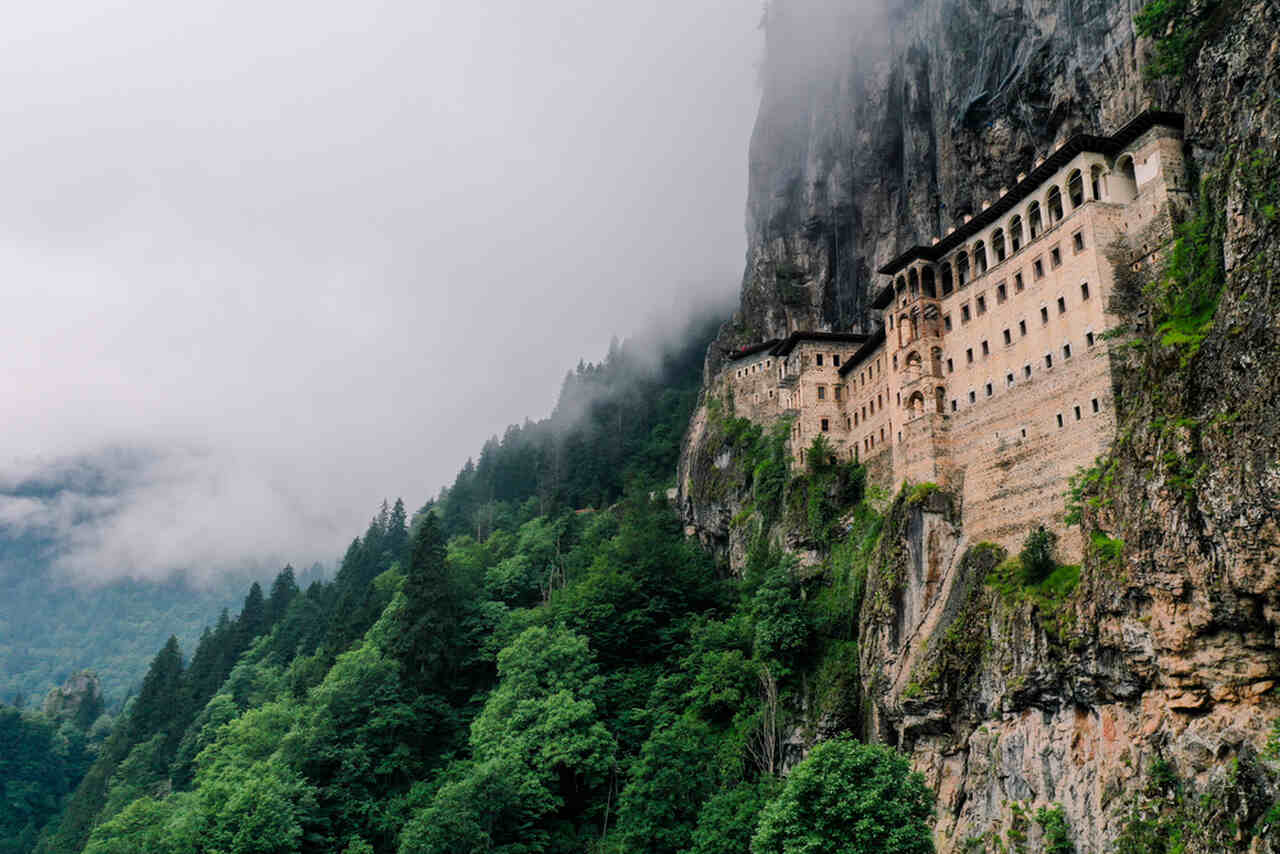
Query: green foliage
[[728, 819], [39, 764], [1178, 27], [1037, 555], [668, 785], [1056, 829], [1186, 294], [849, 798]]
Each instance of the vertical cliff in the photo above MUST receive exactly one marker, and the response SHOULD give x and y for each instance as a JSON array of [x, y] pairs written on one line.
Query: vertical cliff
[[1136, 704]]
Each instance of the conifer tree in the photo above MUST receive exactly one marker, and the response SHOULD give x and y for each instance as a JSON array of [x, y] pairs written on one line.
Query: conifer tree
[[397, 531], [430, 617], [283, 589], [159, 703]]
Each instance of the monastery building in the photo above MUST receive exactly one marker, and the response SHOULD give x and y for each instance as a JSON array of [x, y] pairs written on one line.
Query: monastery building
[[989, 372]]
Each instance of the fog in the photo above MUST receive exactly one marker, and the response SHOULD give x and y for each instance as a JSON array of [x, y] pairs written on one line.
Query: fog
[[267, 264]]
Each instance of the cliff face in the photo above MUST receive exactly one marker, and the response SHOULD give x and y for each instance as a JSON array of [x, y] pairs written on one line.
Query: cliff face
[[1142, 698]]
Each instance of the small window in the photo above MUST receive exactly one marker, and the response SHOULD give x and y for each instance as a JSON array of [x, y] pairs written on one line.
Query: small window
[[822, 392], [946, 323], [835, 359], [826, 425], [1055, 257], [1084, 290], [1022, 327], [1037, 268], [1078, 240], [1062, 305], [895, 361], [1066, 351], [1024, 432], [1008, 337], [819, 360], [836, 391], [1008, 380], [1002, 293], [891, 321], [1026, 371], [955, 404], [951, 366], [968, 355], [990, 390], [1044, 314], [1059, 420], [1094, 404], [986, 349], [1048, 360], [964, 314], [973, 396], [982, 304], [1017, 283], [1077, 411]]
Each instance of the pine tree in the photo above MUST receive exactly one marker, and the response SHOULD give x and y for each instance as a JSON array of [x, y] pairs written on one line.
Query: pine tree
[[397, 531], [253, 618], [283, 589], [159, 704], [431, 614]]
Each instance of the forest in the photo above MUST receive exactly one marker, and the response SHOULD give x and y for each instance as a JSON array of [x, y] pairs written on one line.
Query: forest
[[536, 661]]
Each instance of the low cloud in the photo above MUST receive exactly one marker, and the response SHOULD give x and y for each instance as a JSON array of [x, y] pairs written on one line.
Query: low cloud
[[265, 266]]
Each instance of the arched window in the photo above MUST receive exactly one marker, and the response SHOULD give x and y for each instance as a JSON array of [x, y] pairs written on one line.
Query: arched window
[[926, 283], [914, 365], [1033, 220], [915, 405], [913, 280], [947, 284], [935, 361], [1095, 181], [940, 399], [1075, 188], [1054, 202], [1127, 180], [1015, 234], [997, 244], [962, 270], [904, 329], [979, 258]]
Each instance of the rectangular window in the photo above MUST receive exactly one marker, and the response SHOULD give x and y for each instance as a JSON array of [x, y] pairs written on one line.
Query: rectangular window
[[1084, 290], [1059, 420], [1022, 327], [1077, 410], [1055, 257], [955, 404], [964, 313], [1078, 240], [1037, 267], [973, 396], [1048, 360], [951, 366], [986, 349], [1002, 293], [1008, 337], [1094, 403], [989, 389], [826, 425], [837, 391], [1026, 371], [1044, 314], [982, 304], [1066, 351], [1062, 305], [946, 323], [1008, 380], [819, 360], [968, 355], [1017, 283], [835, 359], [822, 392]]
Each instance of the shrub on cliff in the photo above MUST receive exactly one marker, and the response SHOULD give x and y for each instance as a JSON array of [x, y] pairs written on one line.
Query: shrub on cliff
[[849, 798], [1037, 555]]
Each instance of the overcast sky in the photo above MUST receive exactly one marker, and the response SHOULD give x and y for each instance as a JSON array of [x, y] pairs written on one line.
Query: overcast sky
[[266, 263]]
